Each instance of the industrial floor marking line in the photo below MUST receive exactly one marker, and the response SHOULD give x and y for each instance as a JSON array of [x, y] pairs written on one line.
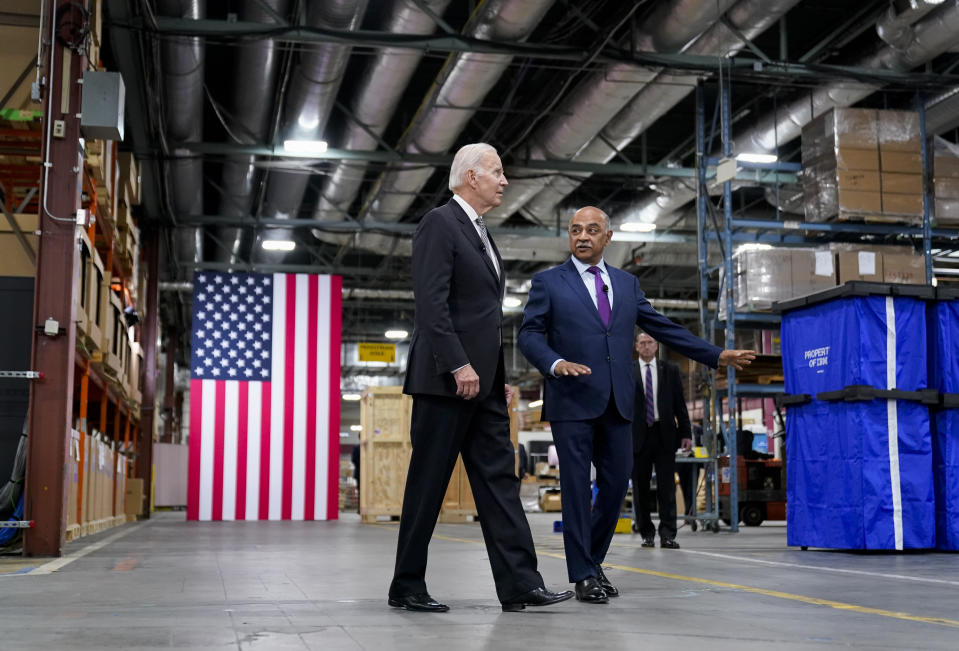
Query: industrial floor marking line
[[838, 570], [59, 563], [838, 605]]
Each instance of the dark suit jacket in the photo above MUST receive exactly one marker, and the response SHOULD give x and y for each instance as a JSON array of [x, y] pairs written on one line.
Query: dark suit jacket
[[560, 321], [459, 309], [673, 417]]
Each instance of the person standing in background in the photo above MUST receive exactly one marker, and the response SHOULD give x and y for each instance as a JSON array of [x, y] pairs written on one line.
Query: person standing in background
[[661, 425]]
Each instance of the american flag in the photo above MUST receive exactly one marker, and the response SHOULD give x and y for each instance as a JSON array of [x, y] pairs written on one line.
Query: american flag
[[264, 397]]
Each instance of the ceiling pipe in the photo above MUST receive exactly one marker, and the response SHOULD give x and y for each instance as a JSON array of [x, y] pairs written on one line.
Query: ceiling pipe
[[315, 81], [895, 27], [384, 81], [932, 36], [183, 62], [594, 102], [750, 18], [256, 62], [464, 81]]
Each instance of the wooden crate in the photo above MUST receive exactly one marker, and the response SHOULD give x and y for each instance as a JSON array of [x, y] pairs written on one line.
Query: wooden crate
[[385, 457], [384, 451]]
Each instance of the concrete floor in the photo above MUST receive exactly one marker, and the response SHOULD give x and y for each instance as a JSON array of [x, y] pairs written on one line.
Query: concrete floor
[[280, 585]]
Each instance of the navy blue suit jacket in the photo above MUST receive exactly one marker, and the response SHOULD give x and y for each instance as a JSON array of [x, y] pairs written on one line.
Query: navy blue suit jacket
[[560, 321]]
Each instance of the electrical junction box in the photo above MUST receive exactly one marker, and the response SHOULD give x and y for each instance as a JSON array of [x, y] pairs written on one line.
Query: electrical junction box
[[101, 106]]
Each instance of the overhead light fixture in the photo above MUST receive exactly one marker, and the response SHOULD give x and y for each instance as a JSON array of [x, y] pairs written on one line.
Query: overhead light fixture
[[356, 428], [753, 246], [756, 158], [535, 404], [638, 227], [512, 301], [279, 245], [351, 397], [397, 334], [304, 147]]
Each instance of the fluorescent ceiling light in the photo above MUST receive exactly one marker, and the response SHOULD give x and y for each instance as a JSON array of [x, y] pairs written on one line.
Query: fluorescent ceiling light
[[638, 227], [756, 158], [356, 428], [351, 397], [279, 245], [535, 404], [511, 301], [304, 146], [397, 334], [753, 246]]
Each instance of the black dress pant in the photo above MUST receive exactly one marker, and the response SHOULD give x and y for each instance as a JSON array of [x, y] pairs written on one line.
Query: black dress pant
[[657, 453], [442, 428]]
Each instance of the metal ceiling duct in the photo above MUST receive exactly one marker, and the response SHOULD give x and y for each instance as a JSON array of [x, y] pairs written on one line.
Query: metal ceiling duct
[[750, 18], [931, 36], [182, 61], [942, 112], [384, 82], [256, 63], [594, 102], [463, 82], [316, 79]]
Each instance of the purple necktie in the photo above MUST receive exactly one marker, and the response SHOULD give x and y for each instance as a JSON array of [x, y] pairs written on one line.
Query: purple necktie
[[650, 405], [602, 298]]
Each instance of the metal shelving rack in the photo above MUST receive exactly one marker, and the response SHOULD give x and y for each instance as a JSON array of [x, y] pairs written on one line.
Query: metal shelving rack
[[732, 230]]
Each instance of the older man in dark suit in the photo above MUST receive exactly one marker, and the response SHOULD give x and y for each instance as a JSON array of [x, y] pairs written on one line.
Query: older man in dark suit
[[661, 425], [578, 331], [456, 376]]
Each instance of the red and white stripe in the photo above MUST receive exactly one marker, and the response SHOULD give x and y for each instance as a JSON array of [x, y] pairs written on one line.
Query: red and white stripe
[[270, 450]]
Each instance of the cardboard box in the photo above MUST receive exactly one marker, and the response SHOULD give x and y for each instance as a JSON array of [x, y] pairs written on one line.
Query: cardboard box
[[859, 180], [903, 268], [762, 277], [946, 187], [860, 265], [856, 202], [900, 183], [550, 500], [899, 161], [902, 204], [946, 166], [812, 271], [898, 131], [947, 211], [133, 496], [856, 159], [852, 127]]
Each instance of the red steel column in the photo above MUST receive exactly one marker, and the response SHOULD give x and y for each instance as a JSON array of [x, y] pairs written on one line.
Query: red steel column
[[148, 333], [51, 399]]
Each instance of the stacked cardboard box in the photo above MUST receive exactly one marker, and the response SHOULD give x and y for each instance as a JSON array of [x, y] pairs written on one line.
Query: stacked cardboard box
[[863, 163], [883, 264], [946, 183], [764, 276]]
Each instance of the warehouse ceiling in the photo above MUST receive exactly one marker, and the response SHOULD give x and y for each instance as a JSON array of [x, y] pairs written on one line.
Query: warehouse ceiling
[[588, 102]]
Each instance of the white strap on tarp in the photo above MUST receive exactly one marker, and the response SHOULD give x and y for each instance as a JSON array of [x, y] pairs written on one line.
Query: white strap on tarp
[[893, 422]]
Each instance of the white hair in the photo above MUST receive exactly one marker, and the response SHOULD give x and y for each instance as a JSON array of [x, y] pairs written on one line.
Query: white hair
[[467, 158]]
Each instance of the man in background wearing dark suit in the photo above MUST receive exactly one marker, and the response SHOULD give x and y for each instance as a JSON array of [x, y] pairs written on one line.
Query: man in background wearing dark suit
[[661, 424], [455, 373], [578, 331]]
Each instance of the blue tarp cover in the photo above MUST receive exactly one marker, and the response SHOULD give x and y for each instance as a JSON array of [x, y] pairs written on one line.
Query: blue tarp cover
[[847, 486], [944, 376]]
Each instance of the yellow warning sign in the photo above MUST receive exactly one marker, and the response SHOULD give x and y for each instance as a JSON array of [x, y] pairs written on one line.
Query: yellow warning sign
[[377, 352]]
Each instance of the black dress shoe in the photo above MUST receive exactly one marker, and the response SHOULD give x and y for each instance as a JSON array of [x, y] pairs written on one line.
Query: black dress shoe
[[590, 591], [668, 543], [422, 602], [608, 588], [536, 597], [649, 542]]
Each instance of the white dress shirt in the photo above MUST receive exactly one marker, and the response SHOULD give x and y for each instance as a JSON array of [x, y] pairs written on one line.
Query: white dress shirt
[[653, 368], [590, 283], [471, 213]]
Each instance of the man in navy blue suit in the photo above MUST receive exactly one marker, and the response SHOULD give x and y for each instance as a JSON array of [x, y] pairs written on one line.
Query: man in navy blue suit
[[578, 331]]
